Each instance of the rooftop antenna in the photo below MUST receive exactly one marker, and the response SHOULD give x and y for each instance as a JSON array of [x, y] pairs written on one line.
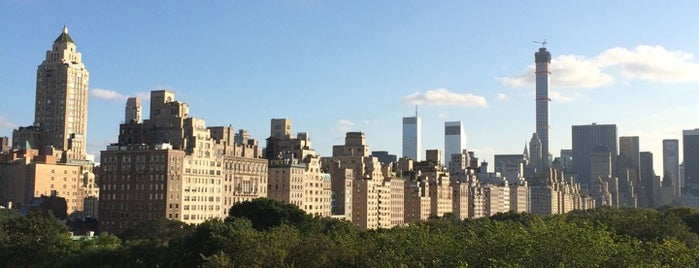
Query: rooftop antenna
[[543, 43], [415, 110]]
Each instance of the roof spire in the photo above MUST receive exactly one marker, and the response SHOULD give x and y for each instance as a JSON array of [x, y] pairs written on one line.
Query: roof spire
[[526, 151], [64, 37]]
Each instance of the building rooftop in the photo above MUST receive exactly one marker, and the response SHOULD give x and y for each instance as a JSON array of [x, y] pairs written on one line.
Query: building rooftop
[[64, 37]]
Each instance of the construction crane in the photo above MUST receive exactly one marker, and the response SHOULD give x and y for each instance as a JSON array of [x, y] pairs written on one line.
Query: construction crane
[[543, 43]]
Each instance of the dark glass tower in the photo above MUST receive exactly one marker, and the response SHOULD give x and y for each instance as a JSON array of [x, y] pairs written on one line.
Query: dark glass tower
[[690, 148], [587, 137]]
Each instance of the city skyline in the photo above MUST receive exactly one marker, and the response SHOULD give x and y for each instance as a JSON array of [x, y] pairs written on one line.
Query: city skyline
[[366, 70]]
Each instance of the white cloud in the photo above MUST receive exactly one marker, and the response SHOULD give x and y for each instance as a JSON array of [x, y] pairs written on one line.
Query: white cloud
[[4, 123], [644, 63], [344, 125], [143, 95], [503, 97], [444, 97], [653, 63], [559, 97], [106, 94], [373, 122]]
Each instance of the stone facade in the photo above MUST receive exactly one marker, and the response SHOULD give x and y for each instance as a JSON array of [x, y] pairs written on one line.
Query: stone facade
[[173, 166], [372, 195], [61, 99], [26, 174], [296, 176]]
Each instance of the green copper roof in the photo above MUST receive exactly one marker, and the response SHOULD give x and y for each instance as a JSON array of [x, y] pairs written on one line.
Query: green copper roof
[[64, 37]]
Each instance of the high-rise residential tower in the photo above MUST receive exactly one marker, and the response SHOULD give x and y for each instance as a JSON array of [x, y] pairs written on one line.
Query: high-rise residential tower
[[132, 113], [61, 98], [690, 153], [543, 60], [50, 157], [412, 137], [454, 138], [586, 138], [671, 165]]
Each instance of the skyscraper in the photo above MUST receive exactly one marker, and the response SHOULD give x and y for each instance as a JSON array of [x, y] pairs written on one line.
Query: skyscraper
[[585, 138], [61, 98], [690, 153], [543, 60], [649, 196], [628, 162], [54, 145], [454, 138], [536, 156], [671, 164], [412, 137]]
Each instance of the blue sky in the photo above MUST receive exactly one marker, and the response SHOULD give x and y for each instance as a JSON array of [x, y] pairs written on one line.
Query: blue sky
[[337, 66]]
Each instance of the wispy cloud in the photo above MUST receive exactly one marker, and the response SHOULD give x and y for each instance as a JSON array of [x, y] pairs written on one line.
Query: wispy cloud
[[643, 63], [106, 94], [444, 97], [561, 97], [503, 97], [143, 95], [4, 123], [344, 125], [373, 122]]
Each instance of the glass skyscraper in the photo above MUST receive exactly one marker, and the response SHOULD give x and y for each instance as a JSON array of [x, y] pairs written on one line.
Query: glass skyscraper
[[412, 137], [587, 137], [671, 164], [690, 148], [454, 139]]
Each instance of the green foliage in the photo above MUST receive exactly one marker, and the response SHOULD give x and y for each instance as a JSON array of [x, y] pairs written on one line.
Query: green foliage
[[690, 216], [160, 230], [36, 239], [270, 234], [267, 213], [643, 224]]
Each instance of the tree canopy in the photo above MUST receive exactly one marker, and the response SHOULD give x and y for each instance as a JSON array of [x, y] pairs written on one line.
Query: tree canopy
[[265, 233]]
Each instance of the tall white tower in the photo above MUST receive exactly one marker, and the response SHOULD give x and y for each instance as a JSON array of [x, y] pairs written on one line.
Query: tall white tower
[[412, 137], [454, 139]]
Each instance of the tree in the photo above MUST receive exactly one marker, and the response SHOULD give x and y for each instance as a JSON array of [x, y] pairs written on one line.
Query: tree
[[33, 240], [158, 230], [267, 213]]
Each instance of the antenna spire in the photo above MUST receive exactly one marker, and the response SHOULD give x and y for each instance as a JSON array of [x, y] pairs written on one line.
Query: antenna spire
[[415, 110]]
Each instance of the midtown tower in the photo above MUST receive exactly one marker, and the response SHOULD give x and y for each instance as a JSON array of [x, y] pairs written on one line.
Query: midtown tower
[[543, 60]]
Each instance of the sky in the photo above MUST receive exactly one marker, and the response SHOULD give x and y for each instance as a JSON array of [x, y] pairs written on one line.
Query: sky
[[339, 66]]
